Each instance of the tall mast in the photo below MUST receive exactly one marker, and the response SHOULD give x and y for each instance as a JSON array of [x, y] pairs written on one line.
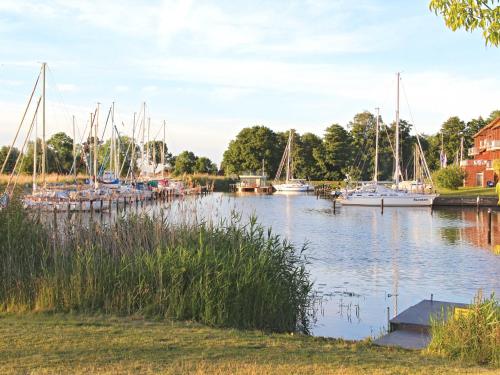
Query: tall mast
[[148, 152], [112, 148], [289, 151], [35, 152], [44, 146], [132, 157], [163, 151], [375, 176], [397, 134], [96, 184], [143, 133], [74, 148]]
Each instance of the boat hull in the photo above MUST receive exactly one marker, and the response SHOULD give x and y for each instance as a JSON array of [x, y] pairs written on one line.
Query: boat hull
[[424, 200], [293, 187]]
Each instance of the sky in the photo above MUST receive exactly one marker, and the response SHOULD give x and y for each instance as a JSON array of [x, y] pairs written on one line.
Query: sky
[[211, 68]]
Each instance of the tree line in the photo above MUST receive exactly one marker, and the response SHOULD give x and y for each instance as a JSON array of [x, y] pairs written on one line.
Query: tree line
[[349, 151], [59, 156]]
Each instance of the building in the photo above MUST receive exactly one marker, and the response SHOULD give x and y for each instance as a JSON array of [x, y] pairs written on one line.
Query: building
[[486, 149]]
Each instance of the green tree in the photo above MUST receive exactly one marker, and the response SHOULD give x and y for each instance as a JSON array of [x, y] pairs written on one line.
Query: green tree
[[335, 154], [305, 164], [185, 163], [431, 145], [493, 116], [471, 15], [204, 165], [250, 148], [452, 131], [61, 146], [362, 130], [12, 158]]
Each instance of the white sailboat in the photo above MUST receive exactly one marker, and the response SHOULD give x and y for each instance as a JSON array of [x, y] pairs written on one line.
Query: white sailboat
[[374, 194], [291, 184]]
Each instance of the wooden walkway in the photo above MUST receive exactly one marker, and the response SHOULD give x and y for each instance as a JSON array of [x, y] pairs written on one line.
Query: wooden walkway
[[411, 328]]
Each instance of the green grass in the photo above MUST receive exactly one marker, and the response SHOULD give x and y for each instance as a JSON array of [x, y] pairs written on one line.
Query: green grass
[[467, 192], [228, 274], [76, 344], [474, 337]]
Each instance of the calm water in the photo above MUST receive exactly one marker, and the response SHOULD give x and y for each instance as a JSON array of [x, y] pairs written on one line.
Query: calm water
[[363, 262]]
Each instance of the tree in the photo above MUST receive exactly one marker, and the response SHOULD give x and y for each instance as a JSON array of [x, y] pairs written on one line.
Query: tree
[[334, 155], [61, 146], [493, 116], [251, 147], [362, 130], [204, 165], [451, 177], [471, 15], [452, 131], [12, 158], [184, 163], [305, 164]]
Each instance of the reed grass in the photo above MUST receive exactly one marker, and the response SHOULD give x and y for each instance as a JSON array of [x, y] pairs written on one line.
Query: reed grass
[[225, 274], [473, 337], [27, 179]]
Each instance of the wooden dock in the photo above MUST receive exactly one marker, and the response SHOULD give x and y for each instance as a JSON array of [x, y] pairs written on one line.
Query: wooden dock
[[411, 328], [443, 201]]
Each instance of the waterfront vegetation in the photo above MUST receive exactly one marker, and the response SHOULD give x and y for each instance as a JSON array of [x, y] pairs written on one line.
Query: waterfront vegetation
[[473, 336], [41, 343], [467, 192], [224, 274]]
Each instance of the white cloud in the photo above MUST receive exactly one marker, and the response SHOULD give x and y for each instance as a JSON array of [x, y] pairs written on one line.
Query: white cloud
[[67, 87]]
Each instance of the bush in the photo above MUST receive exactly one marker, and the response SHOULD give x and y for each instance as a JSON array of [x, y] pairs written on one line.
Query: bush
[[228, 274], [473, 337], [450, 177]]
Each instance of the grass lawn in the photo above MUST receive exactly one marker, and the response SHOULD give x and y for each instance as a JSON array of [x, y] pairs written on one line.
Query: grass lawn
[[467, 192], [48, 344]]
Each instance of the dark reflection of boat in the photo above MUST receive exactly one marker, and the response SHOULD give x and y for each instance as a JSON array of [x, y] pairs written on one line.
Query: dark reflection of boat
[[474, 230]]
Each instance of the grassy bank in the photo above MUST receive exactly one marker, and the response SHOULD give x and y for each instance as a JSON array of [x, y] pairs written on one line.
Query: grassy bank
[[43, 344], [229, 274], [467, 192], [53, 178]]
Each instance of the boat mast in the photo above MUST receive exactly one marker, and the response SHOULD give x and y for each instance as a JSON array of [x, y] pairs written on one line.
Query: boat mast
[[74, 148], [96, 117], [397, 134], [288, 161], [35, 152], [148, 152], [44, 146], [132, 157], [375, 176], [112, 166], [163, 151]]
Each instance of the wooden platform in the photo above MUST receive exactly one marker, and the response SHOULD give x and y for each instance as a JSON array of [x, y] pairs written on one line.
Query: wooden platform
[[411, 328], [465, 201]]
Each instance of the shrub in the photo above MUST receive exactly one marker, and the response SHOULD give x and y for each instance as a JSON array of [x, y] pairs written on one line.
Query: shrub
[[472, 337], [450, 177]]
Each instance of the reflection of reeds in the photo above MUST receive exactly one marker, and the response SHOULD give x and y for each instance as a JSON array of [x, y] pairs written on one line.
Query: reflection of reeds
[[226, 274], [473, 336]]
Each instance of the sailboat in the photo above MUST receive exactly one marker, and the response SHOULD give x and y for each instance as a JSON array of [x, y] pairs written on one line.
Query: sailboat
[[375, 194], [291, 184]]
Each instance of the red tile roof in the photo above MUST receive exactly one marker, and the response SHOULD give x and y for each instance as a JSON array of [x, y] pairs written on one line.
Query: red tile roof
[[492, 125]]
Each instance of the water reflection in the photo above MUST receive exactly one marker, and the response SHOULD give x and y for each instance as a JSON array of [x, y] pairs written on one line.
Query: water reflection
[[360, 260]]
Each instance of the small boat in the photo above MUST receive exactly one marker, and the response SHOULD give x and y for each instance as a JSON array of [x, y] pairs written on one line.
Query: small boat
[[291, 184]]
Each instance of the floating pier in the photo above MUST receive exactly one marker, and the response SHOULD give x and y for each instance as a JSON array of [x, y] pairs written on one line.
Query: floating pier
[[411, 328]]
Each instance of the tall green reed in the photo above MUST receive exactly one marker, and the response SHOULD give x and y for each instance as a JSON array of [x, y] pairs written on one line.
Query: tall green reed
[[472, 337], [225, 274]]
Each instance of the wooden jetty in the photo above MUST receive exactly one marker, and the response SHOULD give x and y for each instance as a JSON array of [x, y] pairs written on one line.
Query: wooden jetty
[[411, 328], [443, 201]]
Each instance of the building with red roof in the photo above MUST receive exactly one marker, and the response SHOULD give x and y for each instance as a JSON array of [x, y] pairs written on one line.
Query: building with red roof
[[486, 149]]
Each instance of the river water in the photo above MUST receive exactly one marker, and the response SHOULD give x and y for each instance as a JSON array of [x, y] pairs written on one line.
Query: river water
[[363, 261]]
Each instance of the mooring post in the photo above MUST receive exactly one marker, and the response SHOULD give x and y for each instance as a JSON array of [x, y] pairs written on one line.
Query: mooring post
[[489, 225], [432, 297], [477, 204], [388, 319], [124, 203], [334, 204], [69, 209], [382, 206]]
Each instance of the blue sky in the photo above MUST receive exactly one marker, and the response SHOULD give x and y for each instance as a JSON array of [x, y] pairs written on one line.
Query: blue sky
[[210, 68]]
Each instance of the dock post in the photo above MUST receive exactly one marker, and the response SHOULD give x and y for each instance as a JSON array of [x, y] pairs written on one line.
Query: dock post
[[124, 203], [69, 209], [100, 208], [489, 225], [91, 207], [477, 204], [432, 297], [388, 319], [382, 206], [334, 204]]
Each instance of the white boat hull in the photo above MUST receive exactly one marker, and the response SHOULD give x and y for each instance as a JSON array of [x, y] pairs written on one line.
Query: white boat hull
[[294, 187], [411, 200]]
